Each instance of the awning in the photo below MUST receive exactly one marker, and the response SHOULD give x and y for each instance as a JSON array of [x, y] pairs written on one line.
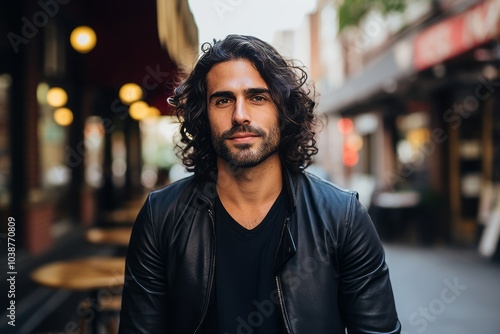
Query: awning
[[177, 31], [428, 47], [393, 65], [456, 35]]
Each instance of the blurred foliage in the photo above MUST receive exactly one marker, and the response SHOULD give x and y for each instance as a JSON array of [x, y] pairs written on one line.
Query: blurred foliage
[[351, 12]]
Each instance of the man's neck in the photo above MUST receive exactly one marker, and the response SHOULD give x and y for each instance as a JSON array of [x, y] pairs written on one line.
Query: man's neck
[[248, 193]]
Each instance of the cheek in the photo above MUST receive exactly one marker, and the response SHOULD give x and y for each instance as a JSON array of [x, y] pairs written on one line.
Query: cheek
[[274, 121], [215, 124]]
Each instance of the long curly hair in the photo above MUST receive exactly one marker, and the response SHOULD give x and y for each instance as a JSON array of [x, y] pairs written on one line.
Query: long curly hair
[[288, 90]]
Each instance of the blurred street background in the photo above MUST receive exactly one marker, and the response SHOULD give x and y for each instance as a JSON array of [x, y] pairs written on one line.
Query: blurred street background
[[409, 105]]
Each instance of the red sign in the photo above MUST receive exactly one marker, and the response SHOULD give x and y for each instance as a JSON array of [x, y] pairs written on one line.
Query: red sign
[[456, 35]]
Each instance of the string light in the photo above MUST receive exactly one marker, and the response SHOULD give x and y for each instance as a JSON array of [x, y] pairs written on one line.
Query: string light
[[63, 116], [83, 39], [56, 97]]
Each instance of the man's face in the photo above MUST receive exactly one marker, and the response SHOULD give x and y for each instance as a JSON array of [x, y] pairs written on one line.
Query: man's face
[[243, 118]]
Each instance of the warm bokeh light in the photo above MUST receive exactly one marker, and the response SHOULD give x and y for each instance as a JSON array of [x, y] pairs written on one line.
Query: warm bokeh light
[[130, 92], [418, 137], [41, 93], [149, 177], [345, 125], [56, 97], [354, 142], [63, 116], [83, 39], [153, 112], [350, 158], [138, 110]]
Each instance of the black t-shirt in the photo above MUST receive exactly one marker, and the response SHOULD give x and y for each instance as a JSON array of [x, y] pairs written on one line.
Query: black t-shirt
[[246, 297]]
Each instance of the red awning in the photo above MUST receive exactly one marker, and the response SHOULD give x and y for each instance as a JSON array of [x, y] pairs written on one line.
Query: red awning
[[458, 34]]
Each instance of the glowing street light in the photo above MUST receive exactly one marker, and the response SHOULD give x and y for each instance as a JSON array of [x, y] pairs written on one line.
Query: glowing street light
[[129, 93], [138, 110], [345, 125], [153, 112], [83, 39], [56, 97], [63, 116]]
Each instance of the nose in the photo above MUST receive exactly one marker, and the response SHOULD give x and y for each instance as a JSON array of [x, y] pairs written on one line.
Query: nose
[[240, 113]]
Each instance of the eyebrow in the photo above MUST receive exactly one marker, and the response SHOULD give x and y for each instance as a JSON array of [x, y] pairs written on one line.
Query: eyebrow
[[230, 94], [224, 93], [251, 91]]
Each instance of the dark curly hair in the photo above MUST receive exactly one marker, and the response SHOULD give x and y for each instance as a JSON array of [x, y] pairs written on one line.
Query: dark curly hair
[[288, 89]]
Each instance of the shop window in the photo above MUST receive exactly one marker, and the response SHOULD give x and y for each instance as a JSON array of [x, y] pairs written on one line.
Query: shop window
[[53, 139], [470, 166], [158, 149], [118, 159], [93, 137], [414, 134], [467, 173]]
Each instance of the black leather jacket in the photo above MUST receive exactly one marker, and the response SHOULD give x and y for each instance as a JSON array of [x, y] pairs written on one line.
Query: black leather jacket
[[330, 267]]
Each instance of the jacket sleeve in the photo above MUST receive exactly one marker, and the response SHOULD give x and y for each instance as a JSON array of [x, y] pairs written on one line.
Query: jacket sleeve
[[144, 294], [365, 293]]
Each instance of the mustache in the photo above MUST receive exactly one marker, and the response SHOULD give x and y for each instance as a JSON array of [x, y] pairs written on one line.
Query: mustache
[[242, 128]]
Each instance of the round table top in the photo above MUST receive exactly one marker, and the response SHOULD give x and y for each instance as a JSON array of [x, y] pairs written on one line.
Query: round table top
[[82, 274], [397, 199], [115, 236], [121, 216]]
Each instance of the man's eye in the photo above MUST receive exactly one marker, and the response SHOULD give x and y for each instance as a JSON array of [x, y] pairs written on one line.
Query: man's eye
[[258, 98], [221, 102]]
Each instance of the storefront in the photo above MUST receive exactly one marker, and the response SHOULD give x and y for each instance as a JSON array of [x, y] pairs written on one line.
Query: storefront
[[436, 108], [462, 52], [63, 162]]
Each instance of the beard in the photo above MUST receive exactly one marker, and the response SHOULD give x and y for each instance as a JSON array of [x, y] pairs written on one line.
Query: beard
[[243, 156]]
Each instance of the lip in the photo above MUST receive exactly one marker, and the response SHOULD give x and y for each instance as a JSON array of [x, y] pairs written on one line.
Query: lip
[[242, 136]]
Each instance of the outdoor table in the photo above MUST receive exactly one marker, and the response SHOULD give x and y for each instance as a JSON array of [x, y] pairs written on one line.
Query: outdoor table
[[123, 216], [392, 211], [114, 236], [97, 275]]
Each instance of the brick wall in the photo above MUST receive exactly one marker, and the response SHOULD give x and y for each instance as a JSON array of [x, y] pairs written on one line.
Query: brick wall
[[38, 236]]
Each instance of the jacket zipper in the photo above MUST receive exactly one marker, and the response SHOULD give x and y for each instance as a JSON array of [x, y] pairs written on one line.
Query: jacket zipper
[[278, 285], [211, 276], [280, 295]]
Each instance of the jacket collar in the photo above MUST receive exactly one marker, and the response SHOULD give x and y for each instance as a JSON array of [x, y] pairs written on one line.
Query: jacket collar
[[208, 189], [286, 248], [290, 184]]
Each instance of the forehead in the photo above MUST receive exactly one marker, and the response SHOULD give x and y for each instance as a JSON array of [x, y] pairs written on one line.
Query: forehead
[[234, 75]]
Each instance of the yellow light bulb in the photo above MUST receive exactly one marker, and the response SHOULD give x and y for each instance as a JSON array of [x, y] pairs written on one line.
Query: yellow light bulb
[[138, 110], [153, 112], [83, 39], [57, 97], [130, 92], [63, 116]]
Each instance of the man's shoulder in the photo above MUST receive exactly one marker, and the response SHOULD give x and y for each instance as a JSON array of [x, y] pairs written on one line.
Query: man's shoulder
[[173, 192], [324, 187]]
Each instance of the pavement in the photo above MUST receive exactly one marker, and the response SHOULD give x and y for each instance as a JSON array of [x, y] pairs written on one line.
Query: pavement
[[444, 290]]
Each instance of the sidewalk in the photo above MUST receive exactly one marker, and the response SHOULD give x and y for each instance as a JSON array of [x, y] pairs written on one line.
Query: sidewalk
[[41, 309], [48, 310], [444, 290], [437, 291]]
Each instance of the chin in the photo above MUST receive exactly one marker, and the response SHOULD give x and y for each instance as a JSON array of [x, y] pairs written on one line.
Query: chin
[[247, 161]]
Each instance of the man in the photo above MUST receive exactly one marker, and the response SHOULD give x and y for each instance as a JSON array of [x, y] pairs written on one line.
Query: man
[[252, 243]]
